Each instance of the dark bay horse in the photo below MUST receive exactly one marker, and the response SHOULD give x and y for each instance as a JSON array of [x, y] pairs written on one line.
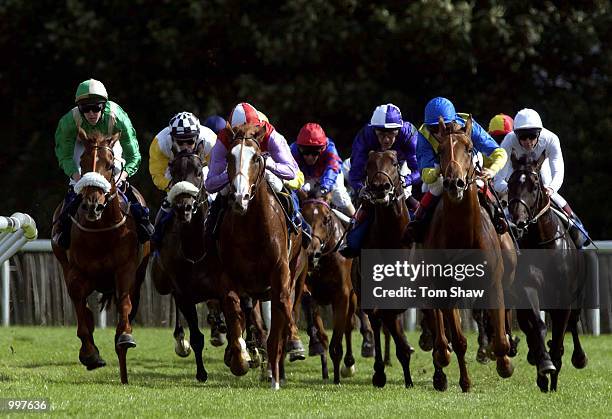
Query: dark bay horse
[[259, 257], [181, 265], [540, 228], [390, 219], [459, 222], [104, 253], [329, 282]]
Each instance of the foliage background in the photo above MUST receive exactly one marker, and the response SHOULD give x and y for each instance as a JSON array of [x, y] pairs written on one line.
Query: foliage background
[[330, 61]]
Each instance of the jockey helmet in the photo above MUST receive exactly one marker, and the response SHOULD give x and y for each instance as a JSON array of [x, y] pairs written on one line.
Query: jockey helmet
[[244, 113], [184, 125], [312, 135], [90, 90], [439, 107], [215, 123], [500, 124], [387, 116], [526, 119]]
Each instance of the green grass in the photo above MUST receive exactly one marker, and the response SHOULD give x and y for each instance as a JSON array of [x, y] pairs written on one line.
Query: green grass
[[39, 362]]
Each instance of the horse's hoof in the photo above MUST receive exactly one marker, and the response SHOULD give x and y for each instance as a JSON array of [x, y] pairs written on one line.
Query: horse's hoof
[[440, 382], [505, 369], [379, 379], [218, 339], [481, 356], [315, 348], [296, 351], [367, 350], [346, 372], [275, 385], [513, 351], [239, 366], [426, 342], [92, 361], [542, 382], [579, 360], [125, 340], [546, 367], [182, 348], [202, 377], [465, 385]]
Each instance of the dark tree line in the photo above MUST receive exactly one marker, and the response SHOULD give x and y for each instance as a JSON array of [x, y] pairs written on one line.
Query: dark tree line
[[305, 60]]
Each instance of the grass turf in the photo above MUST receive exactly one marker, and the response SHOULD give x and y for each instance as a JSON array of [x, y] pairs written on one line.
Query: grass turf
[[41, 362]]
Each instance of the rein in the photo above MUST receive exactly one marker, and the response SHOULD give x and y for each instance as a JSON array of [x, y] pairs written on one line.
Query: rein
[[392, 192], [326, 244]]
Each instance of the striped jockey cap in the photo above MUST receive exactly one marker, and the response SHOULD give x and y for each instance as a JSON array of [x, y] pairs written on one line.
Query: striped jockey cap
[[244, 113], [387, 116]]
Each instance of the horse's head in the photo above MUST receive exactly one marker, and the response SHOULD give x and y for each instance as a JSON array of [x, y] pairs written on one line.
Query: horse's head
[[245, 165], [187, 179], [382, 177], [97, 185], [455, 151], [525, 190], [319, 215]]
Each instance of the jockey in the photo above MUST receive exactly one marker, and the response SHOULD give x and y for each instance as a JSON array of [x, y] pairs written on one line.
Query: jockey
[[530, 137], [499, 126], [215, 123], [386, 131], [281, 167], [429, 163], [183, 132], [94, 112], [317, 157]]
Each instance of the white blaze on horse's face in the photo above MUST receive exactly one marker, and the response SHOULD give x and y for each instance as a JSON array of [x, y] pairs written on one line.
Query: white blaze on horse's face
[[243, 156]]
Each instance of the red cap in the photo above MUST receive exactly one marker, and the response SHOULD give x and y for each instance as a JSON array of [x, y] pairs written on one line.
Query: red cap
[[312, 135]]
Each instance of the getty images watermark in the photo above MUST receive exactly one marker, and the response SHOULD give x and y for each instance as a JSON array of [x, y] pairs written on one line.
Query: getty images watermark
[[466, 278]]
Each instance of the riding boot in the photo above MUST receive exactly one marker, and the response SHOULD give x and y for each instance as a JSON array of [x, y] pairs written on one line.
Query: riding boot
[[164, 215], [144, 227], [71, 204], [213, 219], [415, 231], [577, 231], [356, 234]]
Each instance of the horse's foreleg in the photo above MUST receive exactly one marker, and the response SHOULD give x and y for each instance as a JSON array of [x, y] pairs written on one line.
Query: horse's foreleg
[[181, 346], [387, 357], [559, 320], [196, 338], [78, 290], [440, 353], [402, 347], [579, 357], [501, 345], [379, 379], [365, 328], [340, 309], [349, 360], [479, 317], [123, 334], [236, 350], [459, 347], [318, 330]]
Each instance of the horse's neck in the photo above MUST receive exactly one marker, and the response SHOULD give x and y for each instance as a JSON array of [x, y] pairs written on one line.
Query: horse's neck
[[192, 233], [391, 219], [547, 227], [463, 218]]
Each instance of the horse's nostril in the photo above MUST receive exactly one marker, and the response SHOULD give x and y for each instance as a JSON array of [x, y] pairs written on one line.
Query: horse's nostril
[[446, 183], [246, 197], [460, 183], [99, 207], [387, 186]]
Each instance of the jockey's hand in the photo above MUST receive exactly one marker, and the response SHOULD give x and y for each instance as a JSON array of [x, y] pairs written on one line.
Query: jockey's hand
[[487, 173], [76, 176], [549, 191], [122, 182]]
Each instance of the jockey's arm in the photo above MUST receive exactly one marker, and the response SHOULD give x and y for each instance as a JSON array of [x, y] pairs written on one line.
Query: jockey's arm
[[409, 150], [158, 166], [359, 158], [281, 163], [333, 162], [427, 161], [557, 166], [208, 138], [483, 142], [128, 141], [65, 138], [500, 181], [217, 174]]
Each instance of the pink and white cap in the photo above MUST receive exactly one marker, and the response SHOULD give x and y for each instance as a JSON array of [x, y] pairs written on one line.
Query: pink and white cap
[[244, 113]]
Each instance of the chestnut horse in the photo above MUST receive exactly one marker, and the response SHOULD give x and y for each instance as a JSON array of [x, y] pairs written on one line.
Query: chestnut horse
[[390, 219], [104, 253], [181, 264], [459, 222], [258, 255], [329, 282], [540, 228]]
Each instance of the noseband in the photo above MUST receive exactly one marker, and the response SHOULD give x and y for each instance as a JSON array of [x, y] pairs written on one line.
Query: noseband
[[393, 191], [532, 218]]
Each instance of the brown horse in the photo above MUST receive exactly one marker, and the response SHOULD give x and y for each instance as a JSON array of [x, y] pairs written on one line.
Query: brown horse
[[329, 282], [258, 255], [390, 218], [540, 228], [104, 253], [181, 264], [459, 222]]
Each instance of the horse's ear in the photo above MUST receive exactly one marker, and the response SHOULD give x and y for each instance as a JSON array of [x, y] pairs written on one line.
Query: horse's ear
[[114, 138], [82, 135], [468, 127], [514, 159], [441, 126], [540, 160]]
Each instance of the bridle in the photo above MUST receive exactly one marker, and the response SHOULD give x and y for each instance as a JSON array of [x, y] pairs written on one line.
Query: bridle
[[395, 192], [260, 159], [325, 246], [470, 178], [199, 198]]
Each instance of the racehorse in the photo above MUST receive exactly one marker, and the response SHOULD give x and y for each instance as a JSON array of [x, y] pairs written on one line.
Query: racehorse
[[459, 222], [540, 228], [390, 218], [181, 264], [329, 282], [104, 253], [259, 257]]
